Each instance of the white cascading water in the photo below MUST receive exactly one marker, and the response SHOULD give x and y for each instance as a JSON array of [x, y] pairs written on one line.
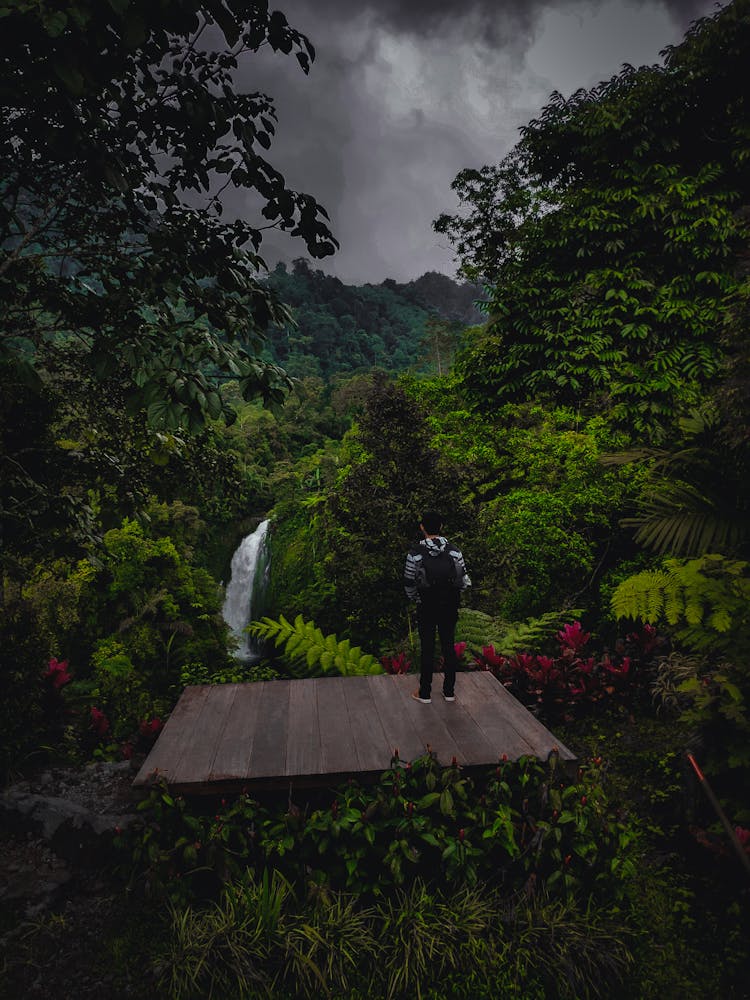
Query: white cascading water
[[246, 586]]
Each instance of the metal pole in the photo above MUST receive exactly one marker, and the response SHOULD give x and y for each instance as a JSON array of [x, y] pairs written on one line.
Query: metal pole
[[741, 852]]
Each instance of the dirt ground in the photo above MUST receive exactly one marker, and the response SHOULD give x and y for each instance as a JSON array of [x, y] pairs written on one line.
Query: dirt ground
[[68, 930]]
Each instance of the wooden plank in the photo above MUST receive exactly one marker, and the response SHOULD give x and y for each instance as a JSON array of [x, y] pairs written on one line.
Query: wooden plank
[[429, 727], [476, 748], [303, 754], [338, 753], [229, 735], [268, 757], [394, 718], [526, 725], [370, 742], [175, 737], [488, 712], [194, 765], [233, 752]]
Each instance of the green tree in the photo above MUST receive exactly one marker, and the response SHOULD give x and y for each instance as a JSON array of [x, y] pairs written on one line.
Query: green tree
[[131, 621], [343, 328], [120, 127], [391, 474], [611, 236], [439, 343], [494, 201], [126, 120]]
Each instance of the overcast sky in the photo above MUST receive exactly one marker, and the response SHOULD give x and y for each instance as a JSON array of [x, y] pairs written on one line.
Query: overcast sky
[[405, 93]]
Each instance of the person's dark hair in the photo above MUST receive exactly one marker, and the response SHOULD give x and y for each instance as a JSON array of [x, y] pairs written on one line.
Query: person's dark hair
[[432, 522]]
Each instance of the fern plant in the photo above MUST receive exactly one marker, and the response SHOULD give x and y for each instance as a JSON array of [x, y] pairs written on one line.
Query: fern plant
[[673, 671], [304, 644], [707, 598], [478, 629]]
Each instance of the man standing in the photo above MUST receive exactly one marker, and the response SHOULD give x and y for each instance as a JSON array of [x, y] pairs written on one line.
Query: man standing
[[434, 576]]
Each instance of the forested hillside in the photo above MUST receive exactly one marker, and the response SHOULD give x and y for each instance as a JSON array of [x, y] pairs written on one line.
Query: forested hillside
[[340, 328], [586, 436]]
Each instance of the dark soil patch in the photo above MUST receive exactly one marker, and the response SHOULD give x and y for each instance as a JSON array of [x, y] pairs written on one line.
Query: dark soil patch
[[68, 928]]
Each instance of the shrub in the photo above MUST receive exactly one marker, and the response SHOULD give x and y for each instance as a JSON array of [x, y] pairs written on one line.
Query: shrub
[[566, 685], [523, 824]]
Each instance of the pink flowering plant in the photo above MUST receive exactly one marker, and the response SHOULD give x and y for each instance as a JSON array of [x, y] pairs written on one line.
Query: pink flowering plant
[[54, 700], [104, 717], [99, 722]]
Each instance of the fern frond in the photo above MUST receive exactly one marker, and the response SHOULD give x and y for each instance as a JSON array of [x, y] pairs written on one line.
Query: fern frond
[[694, 612], [720, 620], [642, 595], [478, 629], [304, 643], [674, 605], [708, 599]]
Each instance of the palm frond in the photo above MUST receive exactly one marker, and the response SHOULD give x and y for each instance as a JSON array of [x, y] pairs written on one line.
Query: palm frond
[[632, 456], [677, 519], [695, 500]]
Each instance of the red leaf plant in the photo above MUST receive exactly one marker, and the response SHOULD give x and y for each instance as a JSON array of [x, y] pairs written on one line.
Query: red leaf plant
[[645, 642], [99, 722], [152, 728], [57, 673], [399, 663], [148, 730], [556, 686], [573, 637]]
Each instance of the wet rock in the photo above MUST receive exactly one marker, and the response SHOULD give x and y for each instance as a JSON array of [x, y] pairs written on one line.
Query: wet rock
[[32, 877], [56, 899], [76, 811], [74, 831]]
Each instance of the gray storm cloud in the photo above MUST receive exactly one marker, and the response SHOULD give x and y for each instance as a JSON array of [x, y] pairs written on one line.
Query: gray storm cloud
[[403, 95]]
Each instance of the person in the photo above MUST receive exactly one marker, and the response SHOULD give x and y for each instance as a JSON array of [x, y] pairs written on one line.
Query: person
[[434, 576]]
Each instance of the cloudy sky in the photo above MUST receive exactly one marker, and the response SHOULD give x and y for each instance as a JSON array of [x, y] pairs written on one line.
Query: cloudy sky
[[405, 93]]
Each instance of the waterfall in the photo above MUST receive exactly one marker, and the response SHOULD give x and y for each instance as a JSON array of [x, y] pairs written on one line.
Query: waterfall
[[246, 588]]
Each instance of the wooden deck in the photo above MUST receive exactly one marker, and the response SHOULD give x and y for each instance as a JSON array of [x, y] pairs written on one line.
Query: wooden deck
[[222, 738]]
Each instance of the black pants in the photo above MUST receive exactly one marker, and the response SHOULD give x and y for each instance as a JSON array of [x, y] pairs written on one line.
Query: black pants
[[441, 618]]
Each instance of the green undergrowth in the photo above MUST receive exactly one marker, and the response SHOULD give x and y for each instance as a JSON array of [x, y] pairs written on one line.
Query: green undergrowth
[[261, 939], [264, 938], [522, 822], [521, 882], [691, 899]]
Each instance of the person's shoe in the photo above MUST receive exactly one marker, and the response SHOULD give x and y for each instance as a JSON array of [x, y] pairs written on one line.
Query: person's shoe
[[423, 701], [449, 697]]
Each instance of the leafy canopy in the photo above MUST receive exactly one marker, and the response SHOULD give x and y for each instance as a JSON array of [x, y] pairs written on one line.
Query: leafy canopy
[[121, 126]]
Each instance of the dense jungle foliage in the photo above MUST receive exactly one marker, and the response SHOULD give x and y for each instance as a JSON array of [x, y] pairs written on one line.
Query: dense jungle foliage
[[586, 436], [393, 326]]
